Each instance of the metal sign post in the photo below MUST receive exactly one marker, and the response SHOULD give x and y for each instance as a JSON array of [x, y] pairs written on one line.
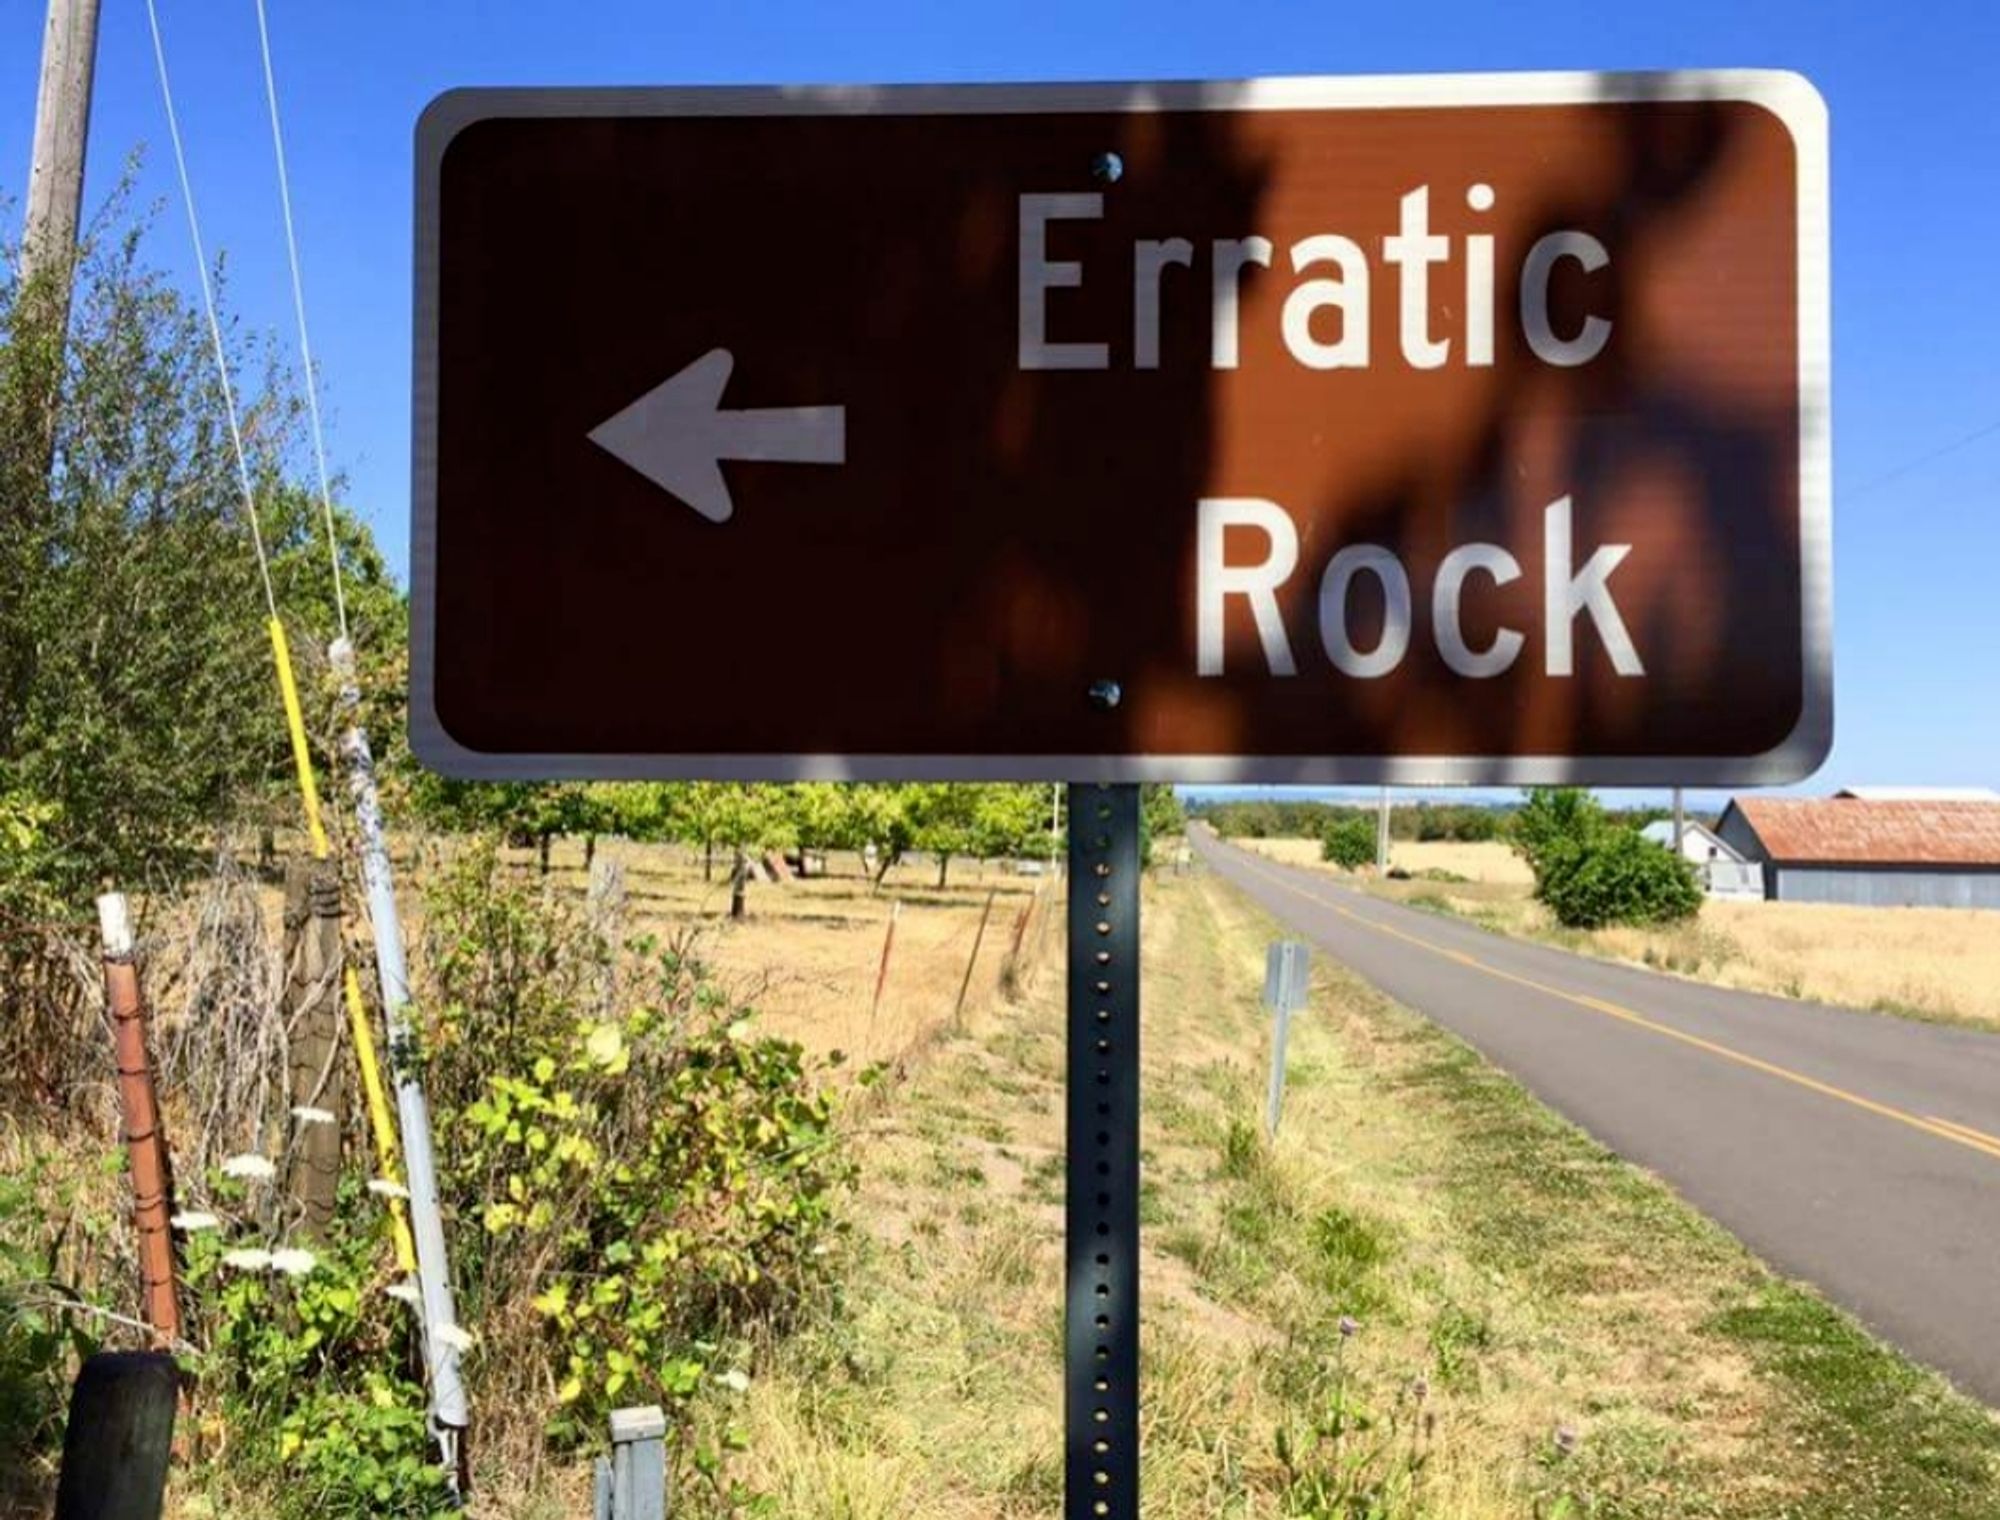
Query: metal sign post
[[1101, 1217]]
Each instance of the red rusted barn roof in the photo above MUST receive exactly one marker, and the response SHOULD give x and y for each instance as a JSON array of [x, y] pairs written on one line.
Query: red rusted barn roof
[[1848, 831]]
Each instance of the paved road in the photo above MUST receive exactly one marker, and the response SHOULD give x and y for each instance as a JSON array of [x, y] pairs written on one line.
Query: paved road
[[1858, 1152]]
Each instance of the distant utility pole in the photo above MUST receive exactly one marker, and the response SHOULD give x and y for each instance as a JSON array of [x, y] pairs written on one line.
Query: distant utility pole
[[1680, 820], [62, 130], [1055, 823], [1382, 836]]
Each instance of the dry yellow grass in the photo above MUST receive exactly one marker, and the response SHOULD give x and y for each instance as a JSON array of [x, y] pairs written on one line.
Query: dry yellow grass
[[1940, 963], [1486, 863], [1533, 1280]]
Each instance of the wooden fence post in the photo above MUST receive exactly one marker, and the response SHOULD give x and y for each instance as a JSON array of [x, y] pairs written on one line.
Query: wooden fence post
[[145, 1141], [314, 964]]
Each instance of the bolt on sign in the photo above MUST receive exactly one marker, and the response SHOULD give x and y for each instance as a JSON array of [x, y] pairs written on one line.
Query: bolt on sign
[[1438, 429]]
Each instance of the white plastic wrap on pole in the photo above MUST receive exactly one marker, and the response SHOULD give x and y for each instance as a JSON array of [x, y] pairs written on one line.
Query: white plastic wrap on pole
[[448, 1405], [114, 919]]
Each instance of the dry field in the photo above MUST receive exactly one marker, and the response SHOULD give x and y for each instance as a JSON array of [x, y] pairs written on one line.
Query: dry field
[[1935, 963], [1492, 864], [807, 955], [1537, 1329]]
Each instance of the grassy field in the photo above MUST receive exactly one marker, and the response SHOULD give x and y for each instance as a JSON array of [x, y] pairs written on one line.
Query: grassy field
[[1535, 1329], [1931, 963]]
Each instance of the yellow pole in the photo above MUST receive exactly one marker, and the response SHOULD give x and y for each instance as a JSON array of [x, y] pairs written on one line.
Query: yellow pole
[[379, 1122]]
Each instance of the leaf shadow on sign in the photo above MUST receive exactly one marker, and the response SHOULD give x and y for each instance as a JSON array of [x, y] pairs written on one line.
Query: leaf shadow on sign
[[1681, 440]]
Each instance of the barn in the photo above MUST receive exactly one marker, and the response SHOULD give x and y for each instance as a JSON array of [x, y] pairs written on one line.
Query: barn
[[1723, 872], [1877, 847]]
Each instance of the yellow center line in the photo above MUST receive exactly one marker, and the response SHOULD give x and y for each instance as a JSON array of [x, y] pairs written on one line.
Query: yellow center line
[[1943, 1129], [1991, 1142]]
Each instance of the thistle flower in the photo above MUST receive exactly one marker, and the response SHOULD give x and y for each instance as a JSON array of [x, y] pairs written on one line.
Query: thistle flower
[[1420, 1388], [293, 1261], [190, 1220], [306, 1114], [1349, 1327], [1565, 1439], [247, 1259], [250, 1166]]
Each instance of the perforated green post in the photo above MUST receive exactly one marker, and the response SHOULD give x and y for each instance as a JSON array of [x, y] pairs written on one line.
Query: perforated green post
[[1101, 1339]]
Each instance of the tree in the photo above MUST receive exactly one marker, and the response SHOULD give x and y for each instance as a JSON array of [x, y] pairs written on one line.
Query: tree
[[883, 819], [137, 704], [1348, 842], [1008, 821], [822, 816], [1553, 816], [943, 820], [746, 816]]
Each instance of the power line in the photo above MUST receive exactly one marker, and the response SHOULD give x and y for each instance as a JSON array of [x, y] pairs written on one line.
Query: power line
[[208, 305], [1923, 459], [299, 307]]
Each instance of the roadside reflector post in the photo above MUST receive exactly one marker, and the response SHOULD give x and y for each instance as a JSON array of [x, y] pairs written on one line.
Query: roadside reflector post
[[1285, 972], [1101, 1199], [631, 1483]]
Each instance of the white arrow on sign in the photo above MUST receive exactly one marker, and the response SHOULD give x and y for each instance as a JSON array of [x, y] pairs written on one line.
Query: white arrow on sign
[[677, 435]]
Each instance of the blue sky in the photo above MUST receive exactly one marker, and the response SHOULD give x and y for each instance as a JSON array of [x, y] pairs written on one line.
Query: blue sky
[[1916, 157]]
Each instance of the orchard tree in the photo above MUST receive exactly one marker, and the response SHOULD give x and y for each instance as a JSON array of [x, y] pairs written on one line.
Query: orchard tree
[[1008, 821], [823, 816], [748, 816], [885, 820], [944, 821]]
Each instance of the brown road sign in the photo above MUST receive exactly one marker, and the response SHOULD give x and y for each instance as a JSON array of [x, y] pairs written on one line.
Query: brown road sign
[[1448, 429]]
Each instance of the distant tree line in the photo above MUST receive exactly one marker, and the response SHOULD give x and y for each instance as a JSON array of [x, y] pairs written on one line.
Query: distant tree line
[[728, 820], [1422, 822]]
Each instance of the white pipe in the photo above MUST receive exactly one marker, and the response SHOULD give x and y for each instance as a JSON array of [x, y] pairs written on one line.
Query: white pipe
[[448, 1401]]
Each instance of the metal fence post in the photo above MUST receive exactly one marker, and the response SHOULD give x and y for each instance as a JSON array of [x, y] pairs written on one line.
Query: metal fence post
[[139, 1107]]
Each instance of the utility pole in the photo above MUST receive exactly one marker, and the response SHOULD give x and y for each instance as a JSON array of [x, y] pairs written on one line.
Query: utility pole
[[1680, 820], [62, 130], [1382, 836], [55, 198]]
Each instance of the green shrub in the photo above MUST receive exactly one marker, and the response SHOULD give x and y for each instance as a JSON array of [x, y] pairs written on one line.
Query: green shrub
[[1616, 876], [1348, 842], [628, 1157], [311, 1372], [41, 1340]]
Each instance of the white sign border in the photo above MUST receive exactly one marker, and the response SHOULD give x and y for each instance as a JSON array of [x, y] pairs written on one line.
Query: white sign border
[[1788, 96]]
